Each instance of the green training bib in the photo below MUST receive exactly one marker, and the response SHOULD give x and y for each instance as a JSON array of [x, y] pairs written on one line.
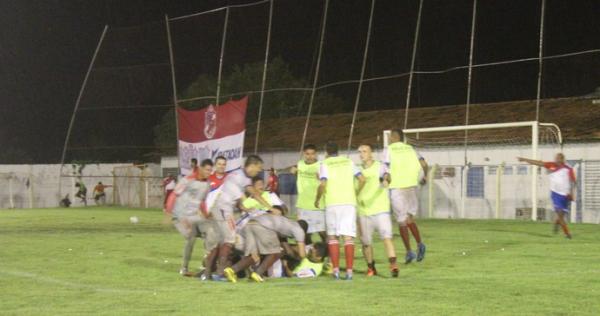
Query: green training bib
[[404, 166]]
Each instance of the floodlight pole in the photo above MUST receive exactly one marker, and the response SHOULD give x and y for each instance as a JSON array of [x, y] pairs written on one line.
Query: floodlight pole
[[412, 64], [223, 41], [264, 77], [362, 75], [316, 78], [540, 61], [77, 102], [470, 77], [174, 84], [534, 170]]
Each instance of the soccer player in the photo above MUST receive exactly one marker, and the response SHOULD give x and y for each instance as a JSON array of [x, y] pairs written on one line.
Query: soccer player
[[216, 179], [273, 182], [81, 192], [337, 186], [405, 167], [307, 182], [168, 185], [188, 216], [374, 210], [232, 191], [99, 192], [562, 184], [261, 238], [194, 168], [250, 204]]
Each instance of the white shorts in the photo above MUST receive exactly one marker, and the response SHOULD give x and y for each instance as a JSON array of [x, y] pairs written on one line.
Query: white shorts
[[314, 219], [226, 231], [404, 202], [381, 222], [341, 220]]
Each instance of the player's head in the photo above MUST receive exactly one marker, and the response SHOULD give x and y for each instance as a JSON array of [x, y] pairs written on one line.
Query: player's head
[[365, 151], [559, 158], [258, 183], [317, 253], [280, 209], [100, 183], [396, 135], [304, 225], [206, 168], [310, 153], [220, 164], [194, 163], [272, 171], [253, 165], [331, 149]]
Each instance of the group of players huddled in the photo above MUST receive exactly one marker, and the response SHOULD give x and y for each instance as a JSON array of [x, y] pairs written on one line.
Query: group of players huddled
[[246, 231]]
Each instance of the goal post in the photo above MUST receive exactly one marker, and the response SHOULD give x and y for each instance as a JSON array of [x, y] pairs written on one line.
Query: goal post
[[484, 154]]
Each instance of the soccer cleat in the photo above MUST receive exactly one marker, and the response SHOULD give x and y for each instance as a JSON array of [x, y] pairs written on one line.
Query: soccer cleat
[[394, 270], [219, 278], [410, 256], [183, 271], [203, 278], [371, 272], [256, 277], [230, 275], [421, 252], [348, 277], [336, 275]]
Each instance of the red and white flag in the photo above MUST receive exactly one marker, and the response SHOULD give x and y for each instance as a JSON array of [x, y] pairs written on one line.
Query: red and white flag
[[211, 132]]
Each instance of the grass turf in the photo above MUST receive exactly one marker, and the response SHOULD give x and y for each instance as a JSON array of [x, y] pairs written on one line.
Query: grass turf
[[94, 261]]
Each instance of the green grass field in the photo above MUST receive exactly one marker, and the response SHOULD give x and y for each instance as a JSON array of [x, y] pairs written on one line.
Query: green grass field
[[94, 261]]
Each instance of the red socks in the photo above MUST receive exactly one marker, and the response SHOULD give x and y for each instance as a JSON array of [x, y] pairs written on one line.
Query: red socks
[[415, 231], [349, 251], [405, 237], [334, 253]]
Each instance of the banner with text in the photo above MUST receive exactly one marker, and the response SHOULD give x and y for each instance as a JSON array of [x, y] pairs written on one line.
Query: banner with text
[[211, 132]]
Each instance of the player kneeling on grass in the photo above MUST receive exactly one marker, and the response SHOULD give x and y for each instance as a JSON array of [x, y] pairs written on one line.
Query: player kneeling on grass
[[190, 216], [562, 184], [337, 185], [374, 210], [231, 193], [261, 238], [405, 166]]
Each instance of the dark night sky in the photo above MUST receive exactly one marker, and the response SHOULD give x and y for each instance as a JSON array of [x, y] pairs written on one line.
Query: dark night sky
[[46, 45]]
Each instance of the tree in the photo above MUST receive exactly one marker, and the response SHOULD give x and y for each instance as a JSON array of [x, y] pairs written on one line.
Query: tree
[[246, 80]]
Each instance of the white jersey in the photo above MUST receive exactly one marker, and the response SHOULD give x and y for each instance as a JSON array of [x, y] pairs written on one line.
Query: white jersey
[[232, 190], [190, 197], [561, 177]]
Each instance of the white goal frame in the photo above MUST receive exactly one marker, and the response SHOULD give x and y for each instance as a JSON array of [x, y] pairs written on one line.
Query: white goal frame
[[534, 125]]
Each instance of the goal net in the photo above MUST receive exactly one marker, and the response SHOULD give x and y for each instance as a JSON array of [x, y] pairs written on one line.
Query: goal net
[[136, 186], [474, 172]]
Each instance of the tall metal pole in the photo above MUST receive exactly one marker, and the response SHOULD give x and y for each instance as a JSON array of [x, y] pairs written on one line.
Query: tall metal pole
[[362, 75], [77, 102], [540, 61], [223, 40], [412, 64], [264, 77], [316, 79], [470, 78], [174, 87]]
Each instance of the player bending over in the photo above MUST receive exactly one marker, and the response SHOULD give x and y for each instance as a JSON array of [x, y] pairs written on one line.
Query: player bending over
[[337, 186], [261, 238], [232, 191], [307, 182], [562, 184], [188, 215], [405, 166], [374, 210]]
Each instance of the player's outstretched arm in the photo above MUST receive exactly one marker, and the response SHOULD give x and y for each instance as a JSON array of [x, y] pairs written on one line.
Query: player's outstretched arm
[[320, 192], [531, 161], [425, 168]]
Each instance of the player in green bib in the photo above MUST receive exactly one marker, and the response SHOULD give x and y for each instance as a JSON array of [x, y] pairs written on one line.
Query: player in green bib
[[307, 182], [374, 209], [250, 204], [405, 167], [337, 186]]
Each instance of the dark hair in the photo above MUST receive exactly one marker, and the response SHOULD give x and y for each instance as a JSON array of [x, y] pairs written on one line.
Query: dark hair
[[309, 147], [278, 207], [194, 161], [99, 182], [321, 249], [206, 162], [253, 160], [220, 158], [398, 132], [368, 145], [331, 148], [304, 225], [256, 179]]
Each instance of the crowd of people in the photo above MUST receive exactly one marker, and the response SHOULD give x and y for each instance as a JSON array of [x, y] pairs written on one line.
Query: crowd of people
[[244, 223]]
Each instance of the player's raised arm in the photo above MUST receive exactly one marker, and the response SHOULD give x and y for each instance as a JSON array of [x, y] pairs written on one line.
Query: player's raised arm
[[320, 191], [531, 161]]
